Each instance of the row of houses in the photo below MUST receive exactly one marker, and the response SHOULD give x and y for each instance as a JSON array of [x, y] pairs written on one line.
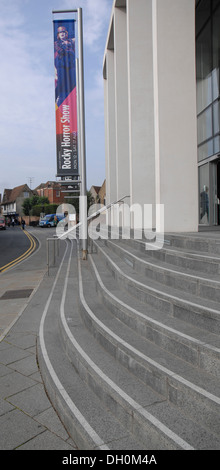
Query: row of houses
[[12, 200]]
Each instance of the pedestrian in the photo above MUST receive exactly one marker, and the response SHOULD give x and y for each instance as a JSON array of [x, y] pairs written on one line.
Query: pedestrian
[[23, 223], [55, 221]]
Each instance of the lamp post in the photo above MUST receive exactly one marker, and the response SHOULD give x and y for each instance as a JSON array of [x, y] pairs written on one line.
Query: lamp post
[[83, 192], [81, 129]]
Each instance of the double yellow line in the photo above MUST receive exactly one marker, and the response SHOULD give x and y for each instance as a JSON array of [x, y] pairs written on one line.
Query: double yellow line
[[23, 256]]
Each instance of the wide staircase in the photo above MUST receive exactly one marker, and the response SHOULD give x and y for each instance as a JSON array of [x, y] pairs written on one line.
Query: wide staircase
[[129, 344]]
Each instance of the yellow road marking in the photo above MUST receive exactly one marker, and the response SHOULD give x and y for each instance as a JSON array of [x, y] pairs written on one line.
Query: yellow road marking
[[23, 256]]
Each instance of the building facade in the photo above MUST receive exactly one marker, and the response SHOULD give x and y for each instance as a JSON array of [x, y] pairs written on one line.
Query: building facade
[[99, 193], [207, 81], [13, 199], [53, 190], [161, 88]]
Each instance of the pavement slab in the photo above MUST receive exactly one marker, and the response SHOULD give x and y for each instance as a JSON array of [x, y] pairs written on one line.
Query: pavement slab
[[27, 419]]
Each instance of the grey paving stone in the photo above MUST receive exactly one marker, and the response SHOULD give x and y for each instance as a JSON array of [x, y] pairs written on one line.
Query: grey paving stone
[[26, 366], [37, 377], [21, 340], [32, 401], [46, 441], [4, 370], [4, 345], [16, 429], [12, 354], [5, 407], [51, 421], [14, 383]]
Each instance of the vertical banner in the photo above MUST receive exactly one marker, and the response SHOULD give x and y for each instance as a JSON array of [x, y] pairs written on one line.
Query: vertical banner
[[65, 97]]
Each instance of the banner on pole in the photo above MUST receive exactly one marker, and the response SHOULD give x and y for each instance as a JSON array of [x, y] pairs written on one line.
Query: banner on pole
[[65, 97]]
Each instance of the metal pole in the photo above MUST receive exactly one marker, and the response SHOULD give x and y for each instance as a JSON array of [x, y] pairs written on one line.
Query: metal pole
[[64, 11], [54, 251], [78, 115], [47, 257], [83, 192]]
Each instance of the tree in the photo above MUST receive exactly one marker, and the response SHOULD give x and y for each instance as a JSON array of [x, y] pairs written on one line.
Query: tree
[[35, 200], [26, 206], [90, 200]]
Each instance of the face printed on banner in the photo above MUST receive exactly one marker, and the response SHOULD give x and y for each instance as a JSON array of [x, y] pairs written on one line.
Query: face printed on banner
[[65, 97]]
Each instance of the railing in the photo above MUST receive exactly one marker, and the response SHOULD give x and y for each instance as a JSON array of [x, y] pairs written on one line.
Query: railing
[[55, 251], [56, 239]]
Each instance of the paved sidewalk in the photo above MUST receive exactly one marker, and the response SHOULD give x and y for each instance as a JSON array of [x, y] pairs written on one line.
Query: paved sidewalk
[[27, 419]]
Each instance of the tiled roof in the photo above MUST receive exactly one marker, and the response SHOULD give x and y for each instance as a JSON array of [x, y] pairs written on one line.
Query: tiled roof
[[49, 184], [96, 188], [10, 195]]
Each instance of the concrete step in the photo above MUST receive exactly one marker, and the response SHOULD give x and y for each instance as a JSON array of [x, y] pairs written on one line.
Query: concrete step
[[176, 252], [185, 341], [143, 411], [151, 364], [195, 242], [88, 421], [202, 313], [112, 385], [202, 243], [163, 272]]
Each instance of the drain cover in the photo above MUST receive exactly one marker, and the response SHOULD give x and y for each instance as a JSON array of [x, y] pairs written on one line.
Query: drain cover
[[16, 294]]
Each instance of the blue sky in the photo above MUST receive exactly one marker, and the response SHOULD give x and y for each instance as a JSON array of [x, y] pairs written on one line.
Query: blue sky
[[27, 113]]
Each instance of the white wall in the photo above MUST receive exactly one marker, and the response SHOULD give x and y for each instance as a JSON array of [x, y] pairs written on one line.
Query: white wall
[[150, 103], [178, 189], [121, 103]]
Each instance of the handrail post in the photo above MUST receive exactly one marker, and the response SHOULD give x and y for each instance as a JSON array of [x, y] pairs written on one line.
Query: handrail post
[[47, 257], [83, 192]]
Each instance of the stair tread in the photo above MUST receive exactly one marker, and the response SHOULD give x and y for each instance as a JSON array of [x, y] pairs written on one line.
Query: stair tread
[[179, 325], [171, 363], [82, 372], [136, 389], [167, 291], [147, 257], [107, 427]]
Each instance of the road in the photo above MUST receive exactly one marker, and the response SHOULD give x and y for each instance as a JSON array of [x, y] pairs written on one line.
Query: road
[[15, 245]]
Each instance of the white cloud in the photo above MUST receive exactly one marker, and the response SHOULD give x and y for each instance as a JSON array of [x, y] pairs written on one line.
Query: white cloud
[[96, 14], [26, 91], [27, 118]]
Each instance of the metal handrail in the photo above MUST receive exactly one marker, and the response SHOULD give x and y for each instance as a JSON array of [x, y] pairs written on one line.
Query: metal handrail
[[92, 216], [56, 238]]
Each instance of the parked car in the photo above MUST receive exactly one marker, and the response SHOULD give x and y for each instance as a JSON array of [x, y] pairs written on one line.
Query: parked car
[[50, 221], [2, 223]]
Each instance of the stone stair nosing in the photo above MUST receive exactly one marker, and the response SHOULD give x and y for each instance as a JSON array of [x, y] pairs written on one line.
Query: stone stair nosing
[[188, 242], [195, 242], [123, 405], [77, 367], [205, 351], [90, 425], [161, 272], [195, 350], [48, 347], [203, 314], [180, 257], [162, 379]]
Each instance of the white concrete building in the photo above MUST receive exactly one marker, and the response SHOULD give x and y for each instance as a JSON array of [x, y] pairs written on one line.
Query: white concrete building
[[152, 104]]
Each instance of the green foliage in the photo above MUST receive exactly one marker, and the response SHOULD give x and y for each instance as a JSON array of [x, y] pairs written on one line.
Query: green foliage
[[36, 200], [46, 208], [75, 201], [90, 200], [26, 206], [36, 204]]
